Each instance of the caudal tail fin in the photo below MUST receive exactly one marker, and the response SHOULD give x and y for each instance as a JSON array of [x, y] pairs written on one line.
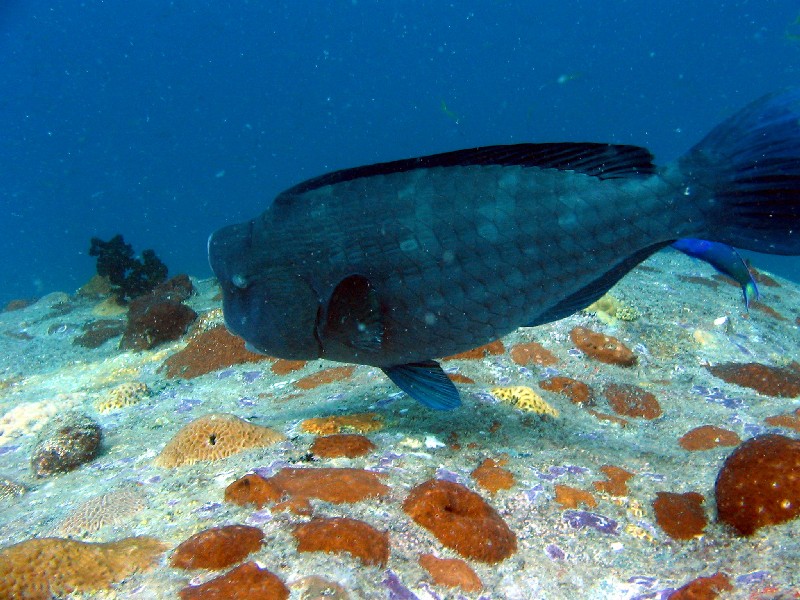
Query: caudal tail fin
[[750, 164]]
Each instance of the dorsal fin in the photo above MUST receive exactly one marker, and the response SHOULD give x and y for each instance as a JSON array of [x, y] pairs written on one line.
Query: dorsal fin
[[604, 161]]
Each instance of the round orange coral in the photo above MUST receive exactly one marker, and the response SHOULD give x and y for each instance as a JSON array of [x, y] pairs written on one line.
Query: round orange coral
[[462, 520]]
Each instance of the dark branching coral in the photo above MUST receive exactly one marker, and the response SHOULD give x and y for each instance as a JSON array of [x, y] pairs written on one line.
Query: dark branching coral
[[129, 276]]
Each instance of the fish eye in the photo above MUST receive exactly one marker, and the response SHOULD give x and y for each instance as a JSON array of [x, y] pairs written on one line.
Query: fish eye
[[239, 280]]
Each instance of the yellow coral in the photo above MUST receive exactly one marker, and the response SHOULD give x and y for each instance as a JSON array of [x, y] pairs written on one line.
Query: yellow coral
[[213, 437], [360, 422], [525, 398], [47, 567], [608, 309], [638, 532], [125, 394]]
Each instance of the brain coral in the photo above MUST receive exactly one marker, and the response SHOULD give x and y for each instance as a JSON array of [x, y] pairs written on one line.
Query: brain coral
[[46, 567], [213, 437], [460, 519], [113, 508], [759, 483], [125, 394]]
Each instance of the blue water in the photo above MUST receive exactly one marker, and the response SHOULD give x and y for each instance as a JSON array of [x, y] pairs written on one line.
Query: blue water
[[165, 120]]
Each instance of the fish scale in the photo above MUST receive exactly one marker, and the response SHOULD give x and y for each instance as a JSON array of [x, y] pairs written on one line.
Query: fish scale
[[396, 263]]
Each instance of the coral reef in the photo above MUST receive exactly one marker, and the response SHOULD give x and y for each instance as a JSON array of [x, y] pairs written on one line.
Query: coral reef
[[213, 437], [461, 520], [309, 382], [10, 489], [577, 391], [101, 511], [360, 422], [159, 316], [570, 497], [208, 351], [41, 568], [681, 516], [608, 309], [252, 489], [491, 476], [525, 399], [129, 277], [531, 352], [313, 587], [770, 381], [97, 287], [703, 588], [707, 437], [217, 548], [789, 420], [97, 333], [65, 443], [246, 582], [451, 572], [342, 534], [125, 394], [632, 401], [759, 484], [298, 486], [602, 347], [284, 367], [342, 445], [616, 483], [491, 349], [25, 418]]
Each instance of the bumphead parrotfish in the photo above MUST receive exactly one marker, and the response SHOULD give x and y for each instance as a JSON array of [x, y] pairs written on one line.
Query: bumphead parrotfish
[[396, 263]]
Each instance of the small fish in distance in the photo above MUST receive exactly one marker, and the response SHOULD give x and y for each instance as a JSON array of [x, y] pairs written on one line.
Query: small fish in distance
[[396, 263]]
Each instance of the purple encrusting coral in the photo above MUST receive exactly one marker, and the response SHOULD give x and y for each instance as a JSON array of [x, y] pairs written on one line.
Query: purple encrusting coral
[[187, 404], [579, 519], [717, 396], [554, 552], [251, 376], [397, 591]]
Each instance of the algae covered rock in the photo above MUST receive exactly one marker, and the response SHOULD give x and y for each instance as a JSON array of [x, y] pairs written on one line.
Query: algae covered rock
[[65, 443]]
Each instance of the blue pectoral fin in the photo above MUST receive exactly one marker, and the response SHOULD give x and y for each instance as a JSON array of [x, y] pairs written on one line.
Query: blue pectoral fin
[[427, 383], [724, 259]]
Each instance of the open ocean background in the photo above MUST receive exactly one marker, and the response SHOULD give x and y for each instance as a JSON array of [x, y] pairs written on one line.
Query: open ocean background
[[166, 120]]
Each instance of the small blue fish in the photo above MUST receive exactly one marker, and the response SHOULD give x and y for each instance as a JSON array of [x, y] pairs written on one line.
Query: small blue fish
[[724, 259], [396, 263]]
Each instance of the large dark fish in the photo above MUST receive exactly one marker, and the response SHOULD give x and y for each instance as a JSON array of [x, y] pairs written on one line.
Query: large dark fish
[[396, 263]]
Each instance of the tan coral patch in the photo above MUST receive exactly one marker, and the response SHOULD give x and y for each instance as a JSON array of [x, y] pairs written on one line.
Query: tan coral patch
[[213, 437], [40, 568], [125, 394], [360, 422]]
